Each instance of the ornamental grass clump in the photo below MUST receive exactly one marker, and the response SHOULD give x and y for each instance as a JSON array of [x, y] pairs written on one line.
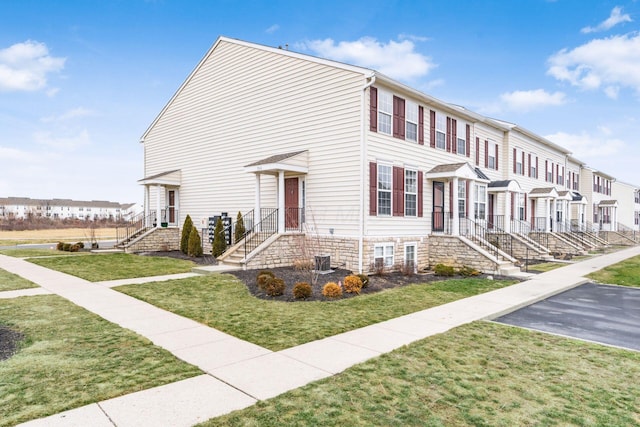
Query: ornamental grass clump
[[332, 290], [352, 284], [301, 290]]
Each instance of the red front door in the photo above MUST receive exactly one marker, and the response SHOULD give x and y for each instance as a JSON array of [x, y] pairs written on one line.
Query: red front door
[[292, 218], [172, 207]]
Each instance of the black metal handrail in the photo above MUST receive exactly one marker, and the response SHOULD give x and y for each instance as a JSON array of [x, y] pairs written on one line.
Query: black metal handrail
[[520, 227], [540, 237], [261, 232], [136, 225], [494, 242], [293, 219], [540, 223], [441, 222], [495, 221], [247, 221]]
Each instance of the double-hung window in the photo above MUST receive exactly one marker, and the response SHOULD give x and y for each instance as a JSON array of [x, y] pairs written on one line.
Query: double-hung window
[[410, 259], [480, 201], [520, 206], [410, 192], [385, 111], [533, 168], [384, 189], [411, 121], [519, 159], [383, 255], [441, 131], [550, 172], [491, 154], [461, 136], [462, 199]]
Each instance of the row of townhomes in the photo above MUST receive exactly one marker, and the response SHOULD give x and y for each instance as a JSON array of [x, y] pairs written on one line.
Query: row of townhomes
[[365, 170], [24, 207]]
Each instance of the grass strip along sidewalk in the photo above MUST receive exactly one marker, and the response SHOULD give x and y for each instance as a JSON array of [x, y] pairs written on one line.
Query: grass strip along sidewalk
[[12, 282], [224, 303], [70, 357], [625, 273]]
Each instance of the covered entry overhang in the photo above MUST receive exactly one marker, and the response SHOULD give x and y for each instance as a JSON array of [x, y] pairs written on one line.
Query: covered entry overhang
[[289, 166], [166, 186], [453, 173]]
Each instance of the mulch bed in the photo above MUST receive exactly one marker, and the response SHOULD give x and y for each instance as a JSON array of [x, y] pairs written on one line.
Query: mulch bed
[[9, 340]]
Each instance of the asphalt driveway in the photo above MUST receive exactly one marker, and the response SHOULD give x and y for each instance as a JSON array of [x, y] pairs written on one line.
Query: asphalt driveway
[[602, 313]]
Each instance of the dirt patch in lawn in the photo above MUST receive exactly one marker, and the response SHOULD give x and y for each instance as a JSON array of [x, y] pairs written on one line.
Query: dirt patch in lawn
[[9, 340]]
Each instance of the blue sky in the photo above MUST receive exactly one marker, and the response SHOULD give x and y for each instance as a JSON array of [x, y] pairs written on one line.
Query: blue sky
[[81, 80]]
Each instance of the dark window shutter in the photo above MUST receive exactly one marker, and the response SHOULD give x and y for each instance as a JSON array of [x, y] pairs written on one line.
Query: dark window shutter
[[513, 204], [523, 163], [454, 136], [449, 134], [420, 191], [398, 191], [468, 139], [496, 156], [398, 117], [373, 109], [478, 151], [466, 202], [373, 188], [450, 199], [557, 174], [529, 165], [486, 153], [515, 153], [546, 170], [564, 177], [432, 128], [421, 125], [537, 167]]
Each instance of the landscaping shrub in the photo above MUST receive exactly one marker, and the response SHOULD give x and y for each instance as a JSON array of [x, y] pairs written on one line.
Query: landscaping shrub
[[74, 248], [352, 284], [186, 231], [80, 245], [240, 230], [332, 290], [364, 279], [407, 269], [443, 270], [66, 247], [302, 290], [219, 244], [274, 286], [468, 271], [60, 246], [263, 277], [378, 268], [195, 244]]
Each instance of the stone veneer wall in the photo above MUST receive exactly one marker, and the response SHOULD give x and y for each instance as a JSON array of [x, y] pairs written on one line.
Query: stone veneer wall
[[520, 250], [450, 250], [160, 239], [422, 251], [557, 245], [615, 238]]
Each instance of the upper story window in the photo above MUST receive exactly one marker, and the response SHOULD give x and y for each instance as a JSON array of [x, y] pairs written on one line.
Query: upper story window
[[411, 132], [384, 190], [385, 111], [461, 140], [560, 175], [410, 192], [492, 154], [518, 161], [441, 131], [636, 196], [549, 171], [533, 165]]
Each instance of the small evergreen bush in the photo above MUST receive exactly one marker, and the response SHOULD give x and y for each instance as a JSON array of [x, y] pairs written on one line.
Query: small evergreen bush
[[219, 244], [468, 271], [74, 248], [263, 277], [364, 279], [240, 230], [195, 244], [60, 246], [444, 270], [352, 284], [302, 290], [66, 247], [184, 238], [80, 245], [332, 290], [274, 287]]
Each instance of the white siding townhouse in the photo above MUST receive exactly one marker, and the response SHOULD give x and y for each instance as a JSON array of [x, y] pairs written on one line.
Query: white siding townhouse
[[23, 207], [372, 171]]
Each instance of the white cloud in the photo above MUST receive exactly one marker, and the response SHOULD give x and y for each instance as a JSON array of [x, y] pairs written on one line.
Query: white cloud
[[614, 19], [25, 66], [272, 29], [527, 100], [586, 146], [397, 59], [68, 115], [609, 63], [64, 142], [13, 154]]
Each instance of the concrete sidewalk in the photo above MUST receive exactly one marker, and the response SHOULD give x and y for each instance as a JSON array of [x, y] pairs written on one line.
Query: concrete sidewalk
[[240, 373]]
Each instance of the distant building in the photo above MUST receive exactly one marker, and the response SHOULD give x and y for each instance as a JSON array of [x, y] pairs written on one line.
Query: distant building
[[24, 207]]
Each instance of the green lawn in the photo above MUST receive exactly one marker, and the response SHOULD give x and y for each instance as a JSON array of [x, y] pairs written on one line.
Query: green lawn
[[70, 358], [100, 267], [624, 273], [27, 253], [12, 282], [546, 266], [481, 374], [224, 303]]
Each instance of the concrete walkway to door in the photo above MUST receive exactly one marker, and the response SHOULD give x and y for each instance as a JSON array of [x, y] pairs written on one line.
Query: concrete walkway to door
[[238, 373]]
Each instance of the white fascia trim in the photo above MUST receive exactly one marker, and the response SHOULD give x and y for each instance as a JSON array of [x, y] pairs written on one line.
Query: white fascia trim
[[275, 167]]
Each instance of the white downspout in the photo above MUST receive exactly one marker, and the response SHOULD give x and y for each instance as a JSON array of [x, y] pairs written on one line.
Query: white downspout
[[363, 170]]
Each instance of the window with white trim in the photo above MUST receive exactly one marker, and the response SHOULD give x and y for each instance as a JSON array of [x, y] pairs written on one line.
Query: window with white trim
[[441, 131], [491, 154], [519, 165], [411, 121], [384, 189], [385, 111], [520, 206], [550, 171], [410, 192], [480, 201], [461, 132], [462, 199], [383, 255], [410, 256], [533, 170]]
